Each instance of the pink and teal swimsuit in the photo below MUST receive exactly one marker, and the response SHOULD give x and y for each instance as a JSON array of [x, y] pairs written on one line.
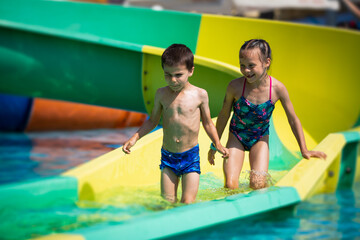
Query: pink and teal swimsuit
[[250, 122]]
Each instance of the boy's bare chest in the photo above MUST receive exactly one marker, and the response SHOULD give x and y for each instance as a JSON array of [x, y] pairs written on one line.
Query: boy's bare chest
[[181, 106]]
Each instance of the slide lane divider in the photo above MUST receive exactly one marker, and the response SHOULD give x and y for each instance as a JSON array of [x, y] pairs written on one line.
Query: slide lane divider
[[321, 176]]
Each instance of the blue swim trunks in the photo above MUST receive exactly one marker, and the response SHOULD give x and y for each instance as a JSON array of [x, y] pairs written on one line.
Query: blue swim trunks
[[181, 163]]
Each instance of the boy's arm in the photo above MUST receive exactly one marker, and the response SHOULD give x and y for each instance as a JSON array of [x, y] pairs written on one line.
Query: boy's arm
[[295, 124], [225, 111], [222, 119], [209, 125], [148, 125]]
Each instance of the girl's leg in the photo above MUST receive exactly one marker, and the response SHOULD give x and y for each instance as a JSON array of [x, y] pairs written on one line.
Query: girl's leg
[[259, 163], [232, 166], [190, 186], [169, 185]]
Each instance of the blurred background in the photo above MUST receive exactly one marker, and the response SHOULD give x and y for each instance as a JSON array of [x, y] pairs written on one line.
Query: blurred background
[[35, 114], [334, 13]]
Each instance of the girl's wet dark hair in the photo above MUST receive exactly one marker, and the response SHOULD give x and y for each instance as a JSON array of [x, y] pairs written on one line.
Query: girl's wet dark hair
[[258, 43], [178, 54]]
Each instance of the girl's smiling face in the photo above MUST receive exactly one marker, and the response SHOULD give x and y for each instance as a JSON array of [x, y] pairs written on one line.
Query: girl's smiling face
[[252, 66]]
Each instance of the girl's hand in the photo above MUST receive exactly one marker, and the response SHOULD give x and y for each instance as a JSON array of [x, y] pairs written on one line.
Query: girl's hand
[[224, 151], [218, 148], [211, 156], [316, 154], [126, 147]]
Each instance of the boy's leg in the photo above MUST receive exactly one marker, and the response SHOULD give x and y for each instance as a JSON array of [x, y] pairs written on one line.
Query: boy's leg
[[190, 186], [232, 166], [169, 185], [259, 163]]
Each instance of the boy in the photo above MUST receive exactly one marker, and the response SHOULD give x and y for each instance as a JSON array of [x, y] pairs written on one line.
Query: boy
[[181, 105]]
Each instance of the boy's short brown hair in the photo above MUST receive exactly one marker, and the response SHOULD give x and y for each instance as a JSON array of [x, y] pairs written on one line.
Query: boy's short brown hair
[[178, 54]]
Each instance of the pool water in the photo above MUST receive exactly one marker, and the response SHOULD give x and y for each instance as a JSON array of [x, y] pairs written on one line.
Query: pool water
[[37, 155], [25, 156]]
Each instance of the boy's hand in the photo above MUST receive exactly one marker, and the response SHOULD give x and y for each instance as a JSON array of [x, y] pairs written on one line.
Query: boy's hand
[[316, 154], [126, 147], [211, 156]]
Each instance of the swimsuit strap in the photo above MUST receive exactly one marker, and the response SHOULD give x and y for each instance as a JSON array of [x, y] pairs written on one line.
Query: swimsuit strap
[[243, 88], [270, 87]]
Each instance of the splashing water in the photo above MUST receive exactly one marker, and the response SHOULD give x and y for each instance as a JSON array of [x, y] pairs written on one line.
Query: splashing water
[[263, 176]]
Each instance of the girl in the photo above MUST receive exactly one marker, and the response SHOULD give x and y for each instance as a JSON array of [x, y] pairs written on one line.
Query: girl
[[253, 99]]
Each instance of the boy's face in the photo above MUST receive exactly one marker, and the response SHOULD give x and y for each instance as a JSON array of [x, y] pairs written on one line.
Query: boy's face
[[177, 76]]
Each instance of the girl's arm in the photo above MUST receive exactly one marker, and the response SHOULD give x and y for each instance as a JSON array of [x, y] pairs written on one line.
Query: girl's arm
[[295, 123], [208, 124], [148, 125]]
